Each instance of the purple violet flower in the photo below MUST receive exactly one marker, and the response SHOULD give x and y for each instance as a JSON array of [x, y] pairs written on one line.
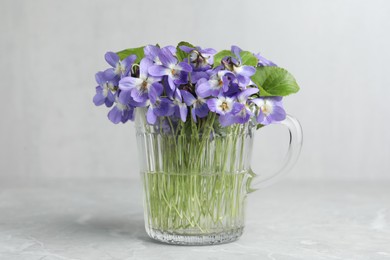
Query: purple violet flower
[[159, 106], [198, 104], [263, 61], [180, 108], [200, 59], [218, 82], [121, 113], [103, 91], [198, 75], [152, 52], [221, 105], [242, 72], [270, 110], [138, 88], [165, 87], [242, 111], [232, 110], [176, 72], [120, 68]]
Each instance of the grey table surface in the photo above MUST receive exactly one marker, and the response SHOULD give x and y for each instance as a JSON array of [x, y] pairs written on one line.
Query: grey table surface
[[103, 219]]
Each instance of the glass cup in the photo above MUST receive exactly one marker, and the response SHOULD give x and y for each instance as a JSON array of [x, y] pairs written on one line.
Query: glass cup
[[196, 177]]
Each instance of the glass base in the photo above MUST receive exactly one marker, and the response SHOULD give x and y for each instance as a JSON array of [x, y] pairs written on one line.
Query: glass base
[[195, 240]]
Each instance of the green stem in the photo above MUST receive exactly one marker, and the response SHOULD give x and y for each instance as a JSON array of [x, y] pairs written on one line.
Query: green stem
[[198, 186]]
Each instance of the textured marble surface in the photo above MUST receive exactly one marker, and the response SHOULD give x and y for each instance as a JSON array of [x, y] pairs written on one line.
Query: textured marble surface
[[63, 220]]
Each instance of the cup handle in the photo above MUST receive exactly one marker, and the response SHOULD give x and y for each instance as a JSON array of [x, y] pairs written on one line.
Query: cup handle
[[294, 149]]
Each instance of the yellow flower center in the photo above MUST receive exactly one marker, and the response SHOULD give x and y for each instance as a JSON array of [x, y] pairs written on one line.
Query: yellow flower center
[[224, 106], [266, 109], [144, 85]]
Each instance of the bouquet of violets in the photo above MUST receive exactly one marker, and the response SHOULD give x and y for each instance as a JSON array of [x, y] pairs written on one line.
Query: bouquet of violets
[[195, 112], [189, 83]]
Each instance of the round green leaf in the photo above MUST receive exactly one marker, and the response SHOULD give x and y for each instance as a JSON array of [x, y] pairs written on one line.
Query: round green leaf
[[139, 52], [274, 81], [248, 58]]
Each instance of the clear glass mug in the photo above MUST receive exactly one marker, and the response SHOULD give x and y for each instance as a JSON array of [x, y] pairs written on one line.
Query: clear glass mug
[[195, 181]]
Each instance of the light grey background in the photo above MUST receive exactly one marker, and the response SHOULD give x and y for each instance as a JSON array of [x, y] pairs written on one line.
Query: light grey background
[[50, 50]]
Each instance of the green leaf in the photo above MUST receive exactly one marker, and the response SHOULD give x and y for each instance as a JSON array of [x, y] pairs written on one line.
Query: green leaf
[[139, 52], [274, 81], [181, 55], [248, 58], [220, 55], [258, 126]]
